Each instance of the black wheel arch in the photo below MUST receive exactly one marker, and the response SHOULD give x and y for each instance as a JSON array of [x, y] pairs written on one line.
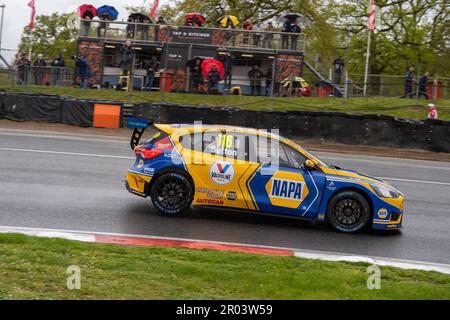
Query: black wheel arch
[[357, 190], [170, 170]]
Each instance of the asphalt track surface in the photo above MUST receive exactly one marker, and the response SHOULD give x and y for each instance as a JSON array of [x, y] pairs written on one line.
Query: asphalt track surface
[[75, 182]]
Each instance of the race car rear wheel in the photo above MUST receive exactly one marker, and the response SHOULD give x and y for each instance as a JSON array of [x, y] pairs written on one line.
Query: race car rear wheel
[[172, 193], [348, 211]]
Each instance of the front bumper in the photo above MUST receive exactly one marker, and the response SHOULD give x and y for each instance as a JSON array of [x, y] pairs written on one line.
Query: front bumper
[[389, 216]]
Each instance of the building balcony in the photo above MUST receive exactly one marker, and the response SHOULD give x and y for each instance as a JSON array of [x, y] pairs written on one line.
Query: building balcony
[[146, 34]]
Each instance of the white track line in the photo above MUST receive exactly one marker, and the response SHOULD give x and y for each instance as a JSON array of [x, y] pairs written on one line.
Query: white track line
[[392, 161], [132, 158], [72, 137], [67, 153], [307, 254], [417, 181]]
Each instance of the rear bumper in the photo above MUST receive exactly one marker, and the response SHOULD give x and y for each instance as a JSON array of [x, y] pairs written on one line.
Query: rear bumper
[[137, 184]]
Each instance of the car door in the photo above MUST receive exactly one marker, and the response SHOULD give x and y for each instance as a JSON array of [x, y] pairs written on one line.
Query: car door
[[218, 164], [286, 186]]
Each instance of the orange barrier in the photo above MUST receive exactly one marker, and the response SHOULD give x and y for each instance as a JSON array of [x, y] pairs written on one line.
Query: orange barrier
[[107, 116]]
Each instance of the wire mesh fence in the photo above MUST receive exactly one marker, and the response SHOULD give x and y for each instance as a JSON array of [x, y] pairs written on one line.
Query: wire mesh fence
[[243, 81]]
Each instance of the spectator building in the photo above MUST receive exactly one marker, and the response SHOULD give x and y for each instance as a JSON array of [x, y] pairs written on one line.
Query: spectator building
[[175, 46]]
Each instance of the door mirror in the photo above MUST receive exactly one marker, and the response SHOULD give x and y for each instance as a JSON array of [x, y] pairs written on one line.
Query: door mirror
[[309, 164]]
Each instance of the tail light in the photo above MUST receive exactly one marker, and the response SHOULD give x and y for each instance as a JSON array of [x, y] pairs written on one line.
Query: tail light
[[148, 153]]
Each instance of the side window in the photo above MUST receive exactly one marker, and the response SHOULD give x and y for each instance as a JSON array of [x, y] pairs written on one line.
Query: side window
[[290, 157], [268, 151], [191, 142], [276, 153], [226, 144]]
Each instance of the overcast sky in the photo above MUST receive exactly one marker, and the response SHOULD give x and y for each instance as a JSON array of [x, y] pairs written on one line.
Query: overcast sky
[[17, 16]]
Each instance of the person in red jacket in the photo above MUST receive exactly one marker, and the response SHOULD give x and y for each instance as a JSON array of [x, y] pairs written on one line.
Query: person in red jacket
[[248, 26], [432, 112]]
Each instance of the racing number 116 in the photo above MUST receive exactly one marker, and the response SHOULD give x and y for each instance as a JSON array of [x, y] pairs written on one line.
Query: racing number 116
[[225, 141]]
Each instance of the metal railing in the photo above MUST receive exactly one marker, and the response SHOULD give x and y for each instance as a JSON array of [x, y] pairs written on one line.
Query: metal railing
[[31, 75], [146, 33], [378, 86]]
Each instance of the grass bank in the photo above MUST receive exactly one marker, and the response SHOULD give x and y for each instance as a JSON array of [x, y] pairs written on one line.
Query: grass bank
[[404, 108], [35, 268]]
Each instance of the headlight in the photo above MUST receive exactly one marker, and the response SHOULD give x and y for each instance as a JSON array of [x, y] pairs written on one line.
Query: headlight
[[385, 192]]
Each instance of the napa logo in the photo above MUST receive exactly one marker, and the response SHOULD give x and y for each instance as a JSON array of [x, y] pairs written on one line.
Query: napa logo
[[222, 172], [382, 213], [286, 189]]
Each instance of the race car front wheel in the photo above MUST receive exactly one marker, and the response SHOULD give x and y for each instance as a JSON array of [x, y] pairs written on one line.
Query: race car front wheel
[[172, 193], [348, 211]]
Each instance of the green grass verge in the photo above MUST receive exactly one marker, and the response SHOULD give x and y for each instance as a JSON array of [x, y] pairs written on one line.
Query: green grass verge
[[35, 268], [403, 108]]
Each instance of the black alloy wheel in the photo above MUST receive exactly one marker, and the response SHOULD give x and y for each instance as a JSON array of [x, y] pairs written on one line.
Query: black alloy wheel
[[172, 193], [348, 211]]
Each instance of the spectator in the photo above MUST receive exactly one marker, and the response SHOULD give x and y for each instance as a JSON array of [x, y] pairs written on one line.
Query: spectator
[[268, 37], [248, 26], [160, 21], [213, 80], [127, 57], [101, 31], [285, 37], [196, 74], [151, 67], [196, 22], [269, 76], [39, 70], [409, 82], [338, 66], [57, 70], [145, 29], [295, 29], [23, 65], [83, 70], [227, 59], [432, 112], [255, 75], [131, 27], [86, 24], [423, 85], [256, 35]]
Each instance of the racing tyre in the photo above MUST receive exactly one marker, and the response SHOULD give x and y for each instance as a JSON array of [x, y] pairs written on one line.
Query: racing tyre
[[172, 194], [348, 212]]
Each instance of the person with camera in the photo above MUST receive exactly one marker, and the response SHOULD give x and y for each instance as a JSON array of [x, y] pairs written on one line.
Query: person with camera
[[23, 65], [83, 70], [127, 57]]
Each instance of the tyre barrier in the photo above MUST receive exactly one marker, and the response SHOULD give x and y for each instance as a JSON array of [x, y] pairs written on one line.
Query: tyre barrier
[[49, 108], [320, 126]]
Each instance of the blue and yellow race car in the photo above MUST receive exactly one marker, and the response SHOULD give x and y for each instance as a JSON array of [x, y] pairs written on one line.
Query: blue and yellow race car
[[249, 169]]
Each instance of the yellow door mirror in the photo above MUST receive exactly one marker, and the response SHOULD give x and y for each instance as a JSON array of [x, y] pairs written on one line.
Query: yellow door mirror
[[309, 164]]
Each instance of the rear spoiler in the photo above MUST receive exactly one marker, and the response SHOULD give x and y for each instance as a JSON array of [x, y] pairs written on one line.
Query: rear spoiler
[[139, 126]]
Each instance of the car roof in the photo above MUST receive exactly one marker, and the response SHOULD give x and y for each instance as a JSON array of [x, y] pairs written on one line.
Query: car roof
[[191, 128]]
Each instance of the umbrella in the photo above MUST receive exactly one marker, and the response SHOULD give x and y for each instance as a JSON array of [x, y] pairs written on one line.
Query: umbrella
[[110, 13], [208, 64], [87, 10], [191, 63], [291, 16], [140, 16], [225, 20], [195, 16]]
